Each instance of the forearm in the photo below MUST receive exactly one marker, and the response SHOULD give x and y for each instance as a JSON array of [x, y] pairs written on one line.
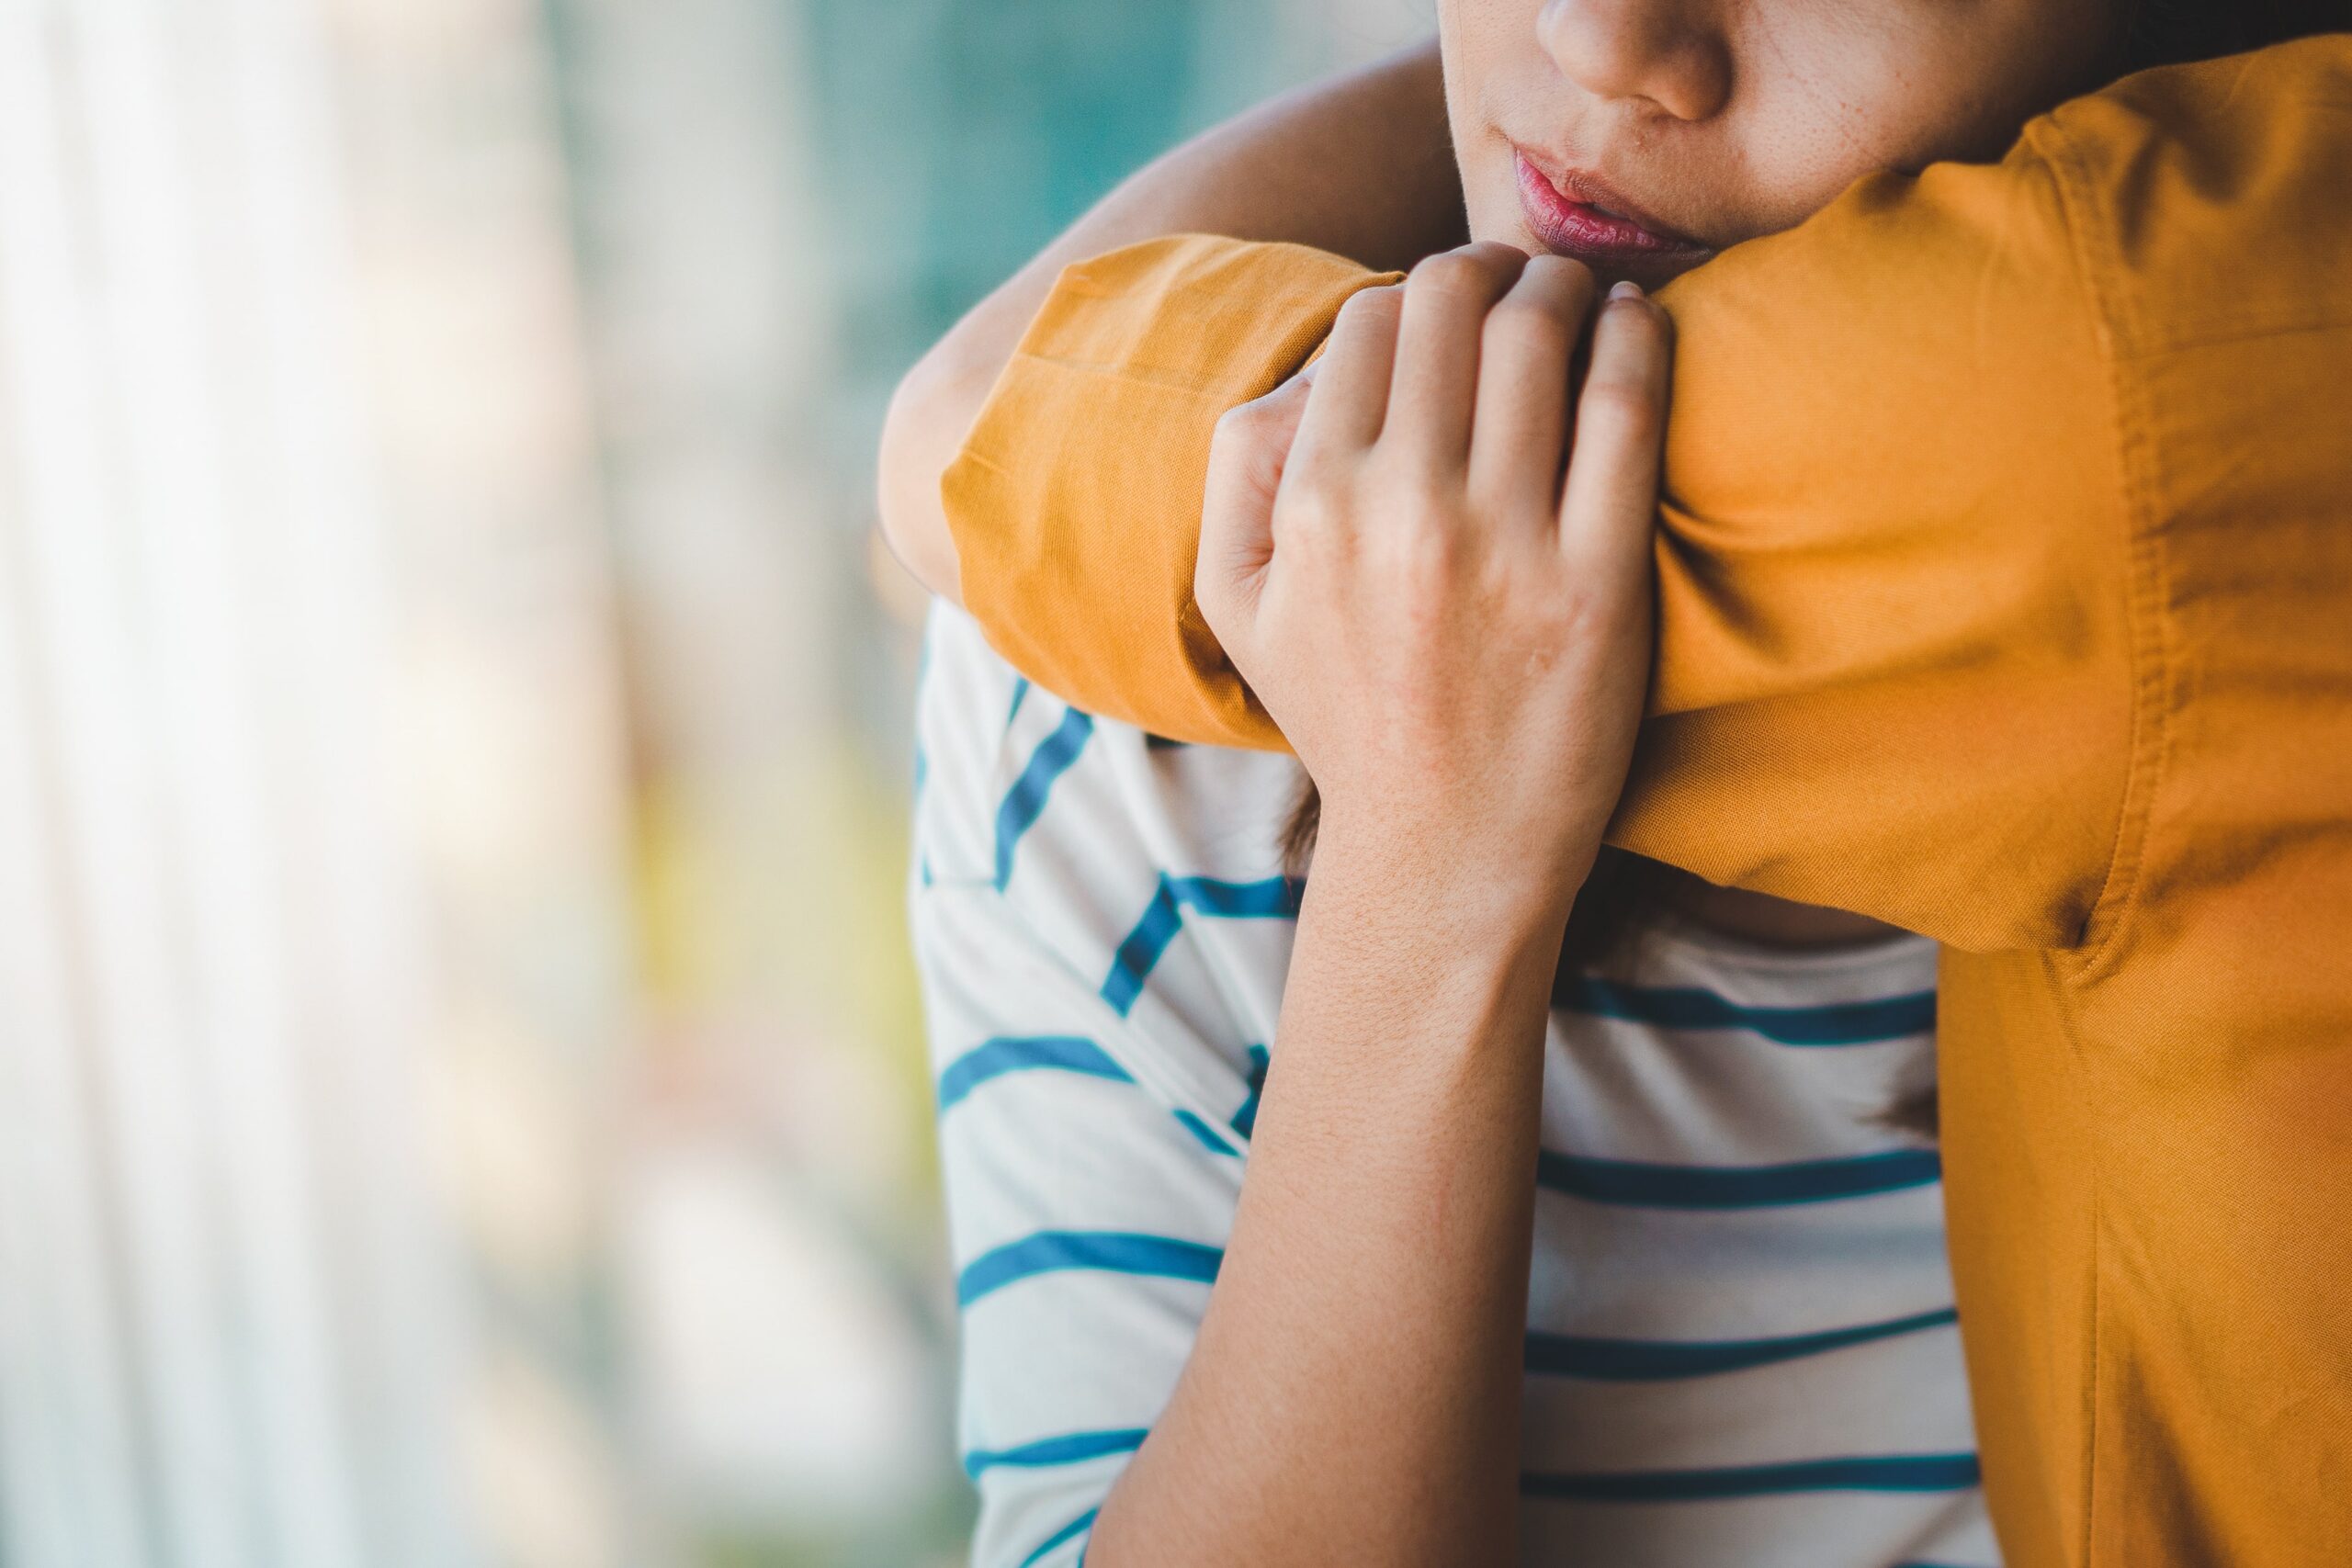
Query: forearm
[[1354, 1393], [1359, 165]]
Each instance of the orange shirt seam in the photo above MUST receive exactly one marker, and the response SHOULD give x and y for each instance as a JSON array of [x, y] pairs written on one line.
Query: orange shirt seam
[[2147, 746], [2144, 635]]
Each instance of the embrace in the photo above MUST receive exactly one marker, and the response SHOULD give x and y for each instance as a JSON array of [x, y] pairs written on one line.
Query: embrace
[[1675, 885]]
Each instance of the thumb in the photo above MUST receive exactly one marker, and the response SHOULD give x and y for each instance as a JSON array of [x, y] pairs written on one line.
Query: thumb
[[1246, 461]]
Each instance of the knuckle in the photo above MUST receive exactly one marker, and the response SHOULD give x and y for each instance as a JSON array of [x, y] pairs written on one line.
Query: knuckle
[[1579, 613], [1310, 504], [1422, 561], [1505, 499], [1452, 274], [1563, 274], [1244, 423], [1419, 530], [1397, 478], [1231, 458], [1433, 503], [1529, 325], [1372, 305], [1623, 407]]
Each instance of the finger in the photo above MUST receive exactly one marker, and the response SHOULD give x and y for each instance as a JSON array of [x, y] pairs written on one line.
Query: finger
[[1610, 502], [1521, 419], [1350, 399], [1435, 383], [1245, 461]]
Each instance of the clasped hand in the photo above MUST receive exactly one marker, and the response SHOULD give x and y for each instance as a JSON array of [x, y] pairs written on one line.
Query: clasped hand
[[1431, 557]]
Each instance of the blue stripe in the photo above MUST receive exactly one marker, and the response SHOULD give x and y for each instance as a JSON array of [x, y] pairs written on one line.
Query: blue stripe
[[1204, 1133], [1646, 1360], [1141, 949], [1244, 1121], [1276, 897], [1111, 1252], [1735, 1187], [1073, 1448], [1027, 798], [1068, 1052], [1834, 1023], [1020, 695], [1069, 1532], [1012, 1054], [1888, 1472]]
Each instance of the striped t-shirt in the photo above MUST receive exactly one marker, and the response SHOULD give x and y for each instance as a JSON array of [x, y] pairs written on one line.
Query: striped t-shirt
[[1741, 1347]]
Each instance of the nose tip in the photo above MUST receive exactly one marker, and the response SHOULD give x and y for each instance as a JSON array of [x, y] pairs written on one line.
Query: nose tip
[[1656, 51]]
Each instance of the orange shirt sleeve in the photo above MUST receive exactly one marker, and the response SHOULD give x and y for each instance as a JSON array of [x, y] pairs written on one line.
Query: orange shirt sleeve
[[2004, 572], [1894, 661], [1076, 498], [1895, 664]]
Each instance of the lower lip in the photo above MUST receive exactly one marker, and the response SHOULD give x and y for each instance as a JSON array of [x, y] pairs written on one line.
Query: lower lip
[[1571, 228]]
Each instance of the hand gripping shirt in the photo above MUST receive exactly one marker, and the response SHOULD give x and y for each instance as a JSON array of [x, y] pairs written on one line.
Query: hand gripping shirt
[[2006, 594], [1741, 1349]]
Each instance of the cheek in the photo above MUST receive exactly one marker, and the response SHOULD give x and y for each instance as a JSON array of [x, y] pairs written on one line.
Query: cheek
[[1900, 87], [1831, 92], [1490, 188], [1491, 63], [1798, 162]]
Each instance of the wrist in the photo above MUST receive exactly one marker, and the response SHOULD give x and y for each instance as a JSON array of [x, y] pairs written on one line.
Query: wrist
[[1508, 901], [1414, 968]]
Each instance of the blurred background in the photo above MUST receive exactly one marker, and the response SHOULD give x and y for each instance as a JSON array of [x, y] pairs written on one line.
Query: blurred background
[[461, 1090]]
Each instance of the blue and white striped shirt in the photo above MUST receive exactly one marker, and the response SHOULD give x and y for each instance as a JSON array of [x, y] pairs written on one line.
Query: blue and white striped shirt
[[1741, 1347]]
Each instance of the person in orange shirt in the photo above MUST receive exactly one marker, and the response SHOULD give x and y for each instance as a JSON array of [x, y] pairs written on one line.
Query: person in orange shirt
[[2002, 582]]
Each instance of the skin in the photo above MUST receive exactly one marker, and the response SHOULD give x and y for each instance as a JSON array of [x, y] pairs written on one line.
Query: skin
[[1353, 1393], [1723, 120], [1259, 176], [1728, 120], [1372, 1299]]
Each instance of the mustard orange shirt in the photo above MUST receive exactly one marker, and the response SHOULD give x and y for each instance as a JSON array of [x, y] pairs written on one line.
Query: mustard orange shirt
[[2006, 566]]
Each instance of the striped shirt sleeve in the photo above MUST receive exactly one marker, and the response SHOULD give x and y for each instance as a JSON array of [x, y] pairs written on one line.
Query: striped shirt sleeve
[[1087, 1220], [1087, 1210]]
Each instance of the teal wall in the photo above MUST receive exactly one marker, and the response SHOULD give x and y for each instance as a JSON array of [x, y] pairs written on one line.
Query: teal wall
[[955, 136]]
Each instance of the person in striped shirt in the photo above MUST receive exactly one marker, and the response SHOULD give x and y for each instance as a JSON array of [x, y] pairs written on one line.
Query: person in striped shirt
[[1716, 1326], [1738, 1340]]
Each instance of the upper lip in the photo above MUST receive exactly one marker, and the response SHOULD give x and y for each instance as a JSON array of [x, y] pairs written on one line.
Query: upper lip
[[1591, 191]]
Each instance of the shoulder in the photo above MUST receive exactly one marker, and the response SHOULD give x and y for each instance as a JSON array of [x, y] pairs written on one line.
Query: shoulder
[[1149, 871], [1020, 789]]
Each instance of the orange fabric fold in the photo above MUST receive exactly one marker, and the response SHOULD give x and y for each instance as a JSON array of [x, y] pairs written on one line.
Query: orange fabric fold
[[2006, 587], [1146, 348]]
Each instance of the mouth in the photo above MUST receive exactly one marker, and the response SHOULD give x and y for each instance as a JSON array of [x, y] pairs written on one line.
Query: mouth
[[1575, 214]]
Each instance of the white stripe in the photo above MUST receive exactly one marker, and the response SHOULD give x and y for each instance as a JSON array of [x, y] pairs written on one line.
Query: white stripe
[[1803, 1409], [1805, 1531], [1075, 1350]]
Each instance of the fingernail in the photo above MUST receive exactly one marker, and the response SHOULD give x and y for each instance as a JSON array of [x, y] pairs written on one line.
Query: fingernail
[[1625, 288]]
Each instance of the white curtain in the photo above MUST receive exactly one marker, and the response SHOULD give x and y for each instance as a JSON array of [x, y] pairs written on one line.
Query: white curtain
[[226, 1324]]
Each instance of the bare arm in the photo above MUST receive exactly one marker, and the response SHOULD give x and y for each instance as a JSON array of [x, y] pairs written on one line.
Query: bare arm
[[1359, 165], [1463, 681]]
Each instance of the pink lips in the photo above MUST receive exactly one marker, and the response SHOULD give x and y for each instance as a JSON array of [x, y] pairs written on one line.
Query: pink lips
[[1573, 217]]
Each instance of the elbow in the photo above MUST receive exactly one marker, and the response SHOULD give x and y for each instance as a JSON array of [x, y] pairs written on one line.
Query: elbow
[[929, 413]]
